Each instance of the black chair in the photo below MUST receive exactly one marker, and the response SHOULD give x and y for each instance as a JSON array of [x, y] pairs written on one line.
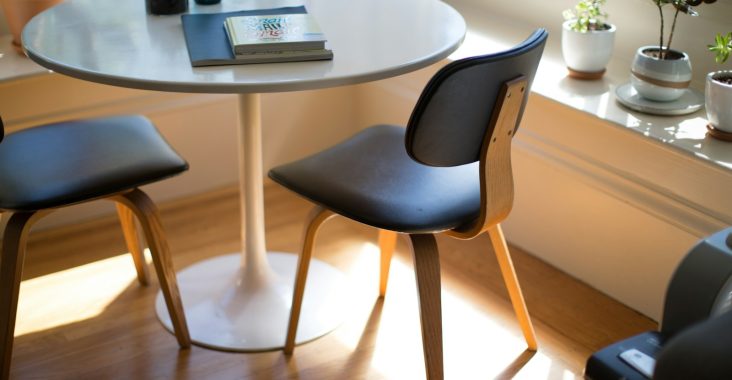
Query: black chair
[[454, 177], [61, 164]]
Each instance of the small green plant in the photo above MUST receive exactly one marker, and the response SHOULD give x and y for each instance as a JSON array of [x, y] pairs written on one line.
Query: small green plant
[[587, 15], [722, 47], [681, 6]]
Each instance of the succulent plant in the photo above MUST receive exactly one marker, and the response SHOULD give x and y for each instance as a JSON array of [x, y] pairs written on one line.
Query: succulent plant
[[722, 47], [587, 15]]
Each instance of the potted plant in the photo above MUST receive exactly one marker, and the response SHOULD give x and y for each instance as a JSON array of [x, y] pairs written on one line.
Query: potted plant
[[587, 40], [718, 90], [658, 72]]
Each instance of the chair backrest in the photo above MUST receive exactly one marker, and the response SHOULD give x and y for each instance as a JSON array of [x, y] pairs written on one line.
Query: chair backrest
[[454, 112], [2, 129]]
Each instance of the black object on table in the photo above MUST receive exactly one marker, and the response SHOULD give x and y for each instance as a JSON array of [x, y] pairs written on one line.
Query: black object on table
[[166, 7]]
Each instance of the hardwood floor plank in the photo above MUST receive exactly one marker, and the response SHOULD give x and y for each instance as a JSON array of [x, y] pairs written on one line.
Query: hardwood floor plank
[[75, 326]]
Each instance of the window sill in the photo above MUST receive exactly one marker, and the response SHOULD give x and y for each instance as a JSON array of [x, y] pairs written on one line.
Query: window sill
[[686, 134]]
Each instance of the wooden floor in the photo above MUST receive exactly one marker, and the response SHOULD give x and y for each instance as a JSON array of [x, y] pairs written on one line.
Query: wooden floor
[[82, 314]]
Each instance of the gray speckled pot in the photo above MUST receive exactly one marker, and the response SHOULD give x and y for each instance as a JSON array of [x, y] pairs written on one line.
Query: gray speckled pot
[[661, 80]]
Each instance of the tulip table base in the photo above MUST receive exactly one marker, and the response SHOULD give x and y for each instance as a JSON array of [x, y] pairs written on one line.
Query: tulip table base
[[227, 312], [241, 302]]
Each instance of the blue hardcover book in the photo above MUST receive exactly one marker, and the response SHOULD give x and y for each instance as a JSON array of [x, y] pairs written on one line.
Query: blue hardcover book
[[208, 44]]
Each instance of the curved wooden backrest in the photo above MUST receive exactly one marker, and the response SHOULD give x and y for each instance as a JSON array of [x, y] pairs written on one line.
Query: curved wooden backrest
[[453, 114]]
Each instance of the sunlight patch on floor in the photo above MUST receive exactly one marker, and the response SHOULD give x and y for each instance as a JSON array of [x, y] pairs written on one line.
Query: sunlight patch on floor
[[541, 367], [476, 343], [363, 279], [72, 295]]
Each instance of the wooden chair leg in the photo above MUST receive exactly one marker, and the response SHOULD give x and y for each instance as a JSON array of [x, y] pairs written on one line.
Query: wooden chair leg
[[427, 271], [11, 268], [127, 220], [512, 284], [387, 243], [4, 216], [316, 218], [147, 214]]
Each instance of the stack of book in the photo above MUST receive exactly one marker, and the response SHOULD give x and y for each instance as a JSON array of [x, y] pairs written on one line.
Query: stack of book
[[254, 36], [276, 38]]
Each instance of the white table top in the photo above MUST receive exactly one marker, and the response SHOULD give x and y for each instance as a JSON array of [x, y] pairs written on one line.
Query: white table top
[[115, 42]]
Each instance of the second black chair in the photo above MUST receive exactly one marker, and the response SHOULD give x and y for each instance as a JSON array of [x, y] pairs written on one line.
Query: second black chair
[[454, 176]]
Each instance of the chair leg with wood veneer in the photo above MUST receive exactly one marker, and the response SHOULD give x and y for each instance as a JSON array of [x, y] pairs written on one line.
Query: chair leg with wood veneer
[[143, 207], [512, 285], [127, 221], [427, 274], [387, 244], [317, 217], [15, 238]]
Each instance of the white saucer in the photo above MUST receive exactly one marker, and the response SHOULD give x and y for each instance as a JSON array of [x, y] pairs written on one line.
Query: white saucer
[[691, 101]]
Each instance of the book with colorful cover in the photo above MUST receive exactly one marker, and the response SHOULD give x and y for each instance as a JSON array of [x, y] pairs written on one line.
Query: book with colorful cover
[[208, 44], [283, 56], [274, 33]]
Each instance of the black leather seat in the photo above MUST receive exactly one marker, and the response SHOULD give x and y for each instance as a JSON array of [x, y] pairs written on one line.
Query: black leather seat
[[420, 199], [453, 176], [61, 164], [69, 162]]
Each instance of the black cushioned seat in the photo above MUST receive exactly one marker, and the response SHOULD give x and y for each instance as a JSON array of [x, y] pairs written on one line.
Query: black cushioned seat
[[55, 165], [352, 179], [69, 162], [448, 171]]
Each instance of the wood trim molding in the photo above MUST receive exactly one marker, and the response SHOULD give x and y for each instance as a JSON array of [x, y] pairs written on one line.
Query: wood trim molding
[[688, 215]]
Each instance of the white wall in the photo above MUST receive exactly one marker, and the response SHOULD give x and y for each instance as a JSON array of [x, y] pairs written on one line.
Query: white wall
[[3, 24]]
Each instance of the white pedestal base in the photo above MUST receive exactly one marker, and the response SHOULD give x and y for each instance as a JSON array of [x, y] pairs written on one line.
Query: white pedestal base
[[226, 312]]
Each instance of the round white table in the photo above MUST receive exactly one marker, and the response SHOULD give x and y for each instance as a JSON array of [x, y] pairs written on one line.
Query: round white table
[[241, 301]]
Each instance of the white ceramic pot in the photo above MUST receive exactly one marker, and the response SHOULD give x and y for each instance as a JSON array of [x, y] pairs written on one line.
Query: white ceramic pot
[[718, 101], [587, 52], [661, 80]]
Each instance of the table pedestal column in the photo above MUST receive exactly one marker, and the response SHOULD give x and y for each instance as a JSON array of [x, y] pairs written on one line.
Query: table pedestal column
[[241, 301]]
